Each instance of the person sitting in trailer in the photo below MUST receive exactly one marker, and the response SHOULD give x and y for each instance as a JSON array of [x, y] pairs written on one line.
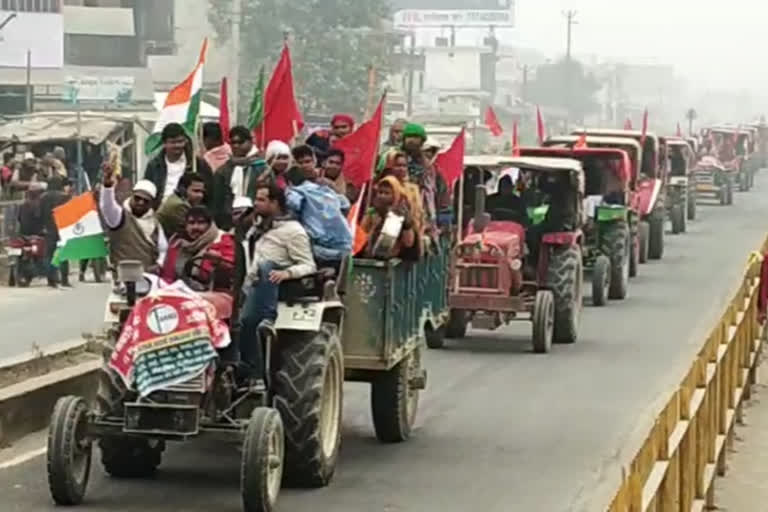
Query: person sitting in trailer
[[389, 223]]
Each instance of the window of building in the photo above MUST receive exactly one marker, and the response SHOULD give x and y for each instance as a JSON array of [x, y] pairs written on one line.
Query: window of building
[[31, 5]]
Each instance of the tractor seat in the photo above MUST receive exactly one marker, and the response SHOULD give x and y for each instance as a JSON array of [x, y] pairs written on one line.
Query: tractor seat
[[222, 303], [306, 287]]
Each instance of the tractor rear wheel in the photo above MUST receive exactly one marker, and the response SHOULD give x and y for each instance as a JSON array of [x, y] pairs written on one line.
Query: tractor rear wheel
[[643, 235], [678, 219], [564, 277], [656, 234], [692, 205], [308, 390], [617, 243]]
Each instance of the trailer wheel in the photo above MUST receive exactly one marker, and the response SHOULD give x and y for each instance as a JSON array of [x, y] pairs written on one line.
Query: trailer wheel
[[69, 451], [261, 468], [395, 399], [308, 393], [435, 336]]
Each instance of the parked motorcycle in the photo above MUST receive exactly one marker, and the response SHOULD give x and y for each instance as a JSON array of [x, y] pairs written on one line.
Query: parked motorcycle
[[26, 256]]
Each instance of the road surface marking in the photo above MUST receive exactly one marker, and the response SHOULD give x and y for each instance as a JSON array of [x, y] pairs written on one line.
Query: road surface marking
[[24, 457]]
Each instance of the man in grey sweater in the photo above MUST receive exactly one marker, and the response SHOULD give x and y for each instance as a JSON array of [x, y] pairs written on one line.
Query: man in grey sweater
[[277, 249]]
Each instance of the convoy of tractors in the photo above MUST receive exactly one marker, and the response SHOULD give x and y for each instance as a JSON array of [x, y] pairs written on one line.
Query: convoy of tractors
[[592, 206]]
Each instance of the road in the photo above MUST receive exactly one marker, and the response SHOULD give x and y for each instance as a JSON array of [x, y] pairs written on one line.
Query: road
[[500, 429], [39, 316]]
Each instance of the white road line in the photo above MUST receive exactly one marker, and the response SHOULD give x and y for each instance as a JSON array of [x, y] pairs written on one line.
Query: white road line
[[24, 457]]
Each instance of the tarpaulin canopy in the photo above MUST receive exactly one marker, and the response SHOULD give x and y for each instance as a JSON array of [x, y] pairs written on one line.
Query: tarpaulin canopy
[[33, 129]]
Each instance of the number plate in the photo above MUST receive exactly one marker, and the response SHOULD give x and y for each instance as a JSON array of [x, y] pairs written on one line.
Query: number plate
[[299, 316], [14, 251]]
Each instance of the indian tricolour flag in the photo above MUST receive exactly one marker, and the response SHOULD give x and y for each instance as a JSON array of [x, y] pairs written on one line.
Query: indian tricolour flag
[[80, 233], [182, 105]]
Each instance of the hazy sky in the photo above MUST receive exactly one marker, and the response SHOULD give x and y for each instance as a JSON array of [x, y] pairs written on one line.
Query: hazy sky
[[712, 44], [715, 44]]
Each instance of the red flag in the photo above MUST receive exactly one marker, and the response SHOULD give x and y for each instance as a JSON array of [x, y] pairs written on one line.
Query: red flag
[[360, 237], [679, 130], [582, 142], [224, 110], [450, 163], [540, 126], [492, 122], [645, 129], [628, 124], [361, 148], [282, 118], [515, 141]]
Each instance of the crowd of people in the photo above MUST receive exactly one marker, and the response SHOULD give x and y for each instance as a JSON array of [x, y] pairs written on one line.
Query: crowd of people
[[237, 216]]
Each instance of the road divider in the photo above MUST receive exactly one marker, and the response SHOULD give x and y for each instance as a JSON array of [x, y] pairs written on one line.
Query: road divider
[[686, 448], [31, 384]]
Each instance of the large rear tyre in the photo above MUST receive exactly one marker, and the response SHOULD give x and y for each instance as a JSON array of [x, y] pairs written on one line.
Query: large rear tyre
[[308, 393], [692, 206], [678, 219], [601, 280], [395, 399], [656, 235], [261, 468], [565, 276], [543, 321], [69, 451], [435, 337], [634, 255], [457, 324], [617, 243], [12, 276], [131, 457], [643, 235]]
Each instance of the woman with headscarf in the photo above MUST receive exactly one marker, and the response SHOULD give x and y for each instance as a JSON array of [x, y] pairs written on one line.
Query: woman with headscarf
[[389, 197], [397, 166], [279, 160]]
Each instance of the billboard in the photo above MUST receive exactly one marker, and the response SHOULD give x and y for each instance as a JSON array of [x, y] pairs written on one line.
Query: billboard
[[469, 5], [42, 34], [118, 89], [407, 19]]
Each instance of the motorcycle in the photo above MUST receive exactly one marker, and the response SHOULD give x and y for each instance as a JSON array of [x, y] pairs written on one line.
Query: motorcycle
[[26, 256]]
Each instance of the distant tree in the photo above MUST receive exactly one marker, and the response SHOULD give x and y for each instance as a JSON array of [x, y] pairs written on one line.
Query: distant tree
[[567, 85], [333, 43]]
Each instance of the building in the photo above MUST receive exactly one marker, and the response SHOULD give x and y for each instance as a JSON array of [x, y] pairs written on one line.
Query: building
[[102, 46]]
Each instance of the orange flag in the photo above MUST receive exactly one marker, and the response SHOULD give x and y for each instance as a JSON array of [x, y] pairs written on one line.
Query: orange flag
[[540, 132]]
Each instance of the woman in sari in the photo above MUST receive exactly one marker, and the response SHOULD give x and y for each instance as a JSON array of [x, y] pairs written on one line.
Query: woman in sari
[[389, 197]]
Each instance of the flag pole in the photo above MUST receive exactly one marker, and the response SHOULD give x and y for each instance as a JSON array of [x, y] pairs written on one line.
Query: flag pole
[[195, 145]]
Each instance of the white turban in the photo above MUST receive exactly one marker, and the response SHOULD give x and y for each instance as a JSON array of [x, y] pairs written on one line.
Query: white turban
[[277, 148], [242, 202]]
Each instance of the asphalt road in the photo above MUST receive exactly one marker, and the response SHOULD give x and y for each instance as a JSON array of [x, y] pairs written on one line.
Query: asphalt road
[[39, 316], [499, 429]]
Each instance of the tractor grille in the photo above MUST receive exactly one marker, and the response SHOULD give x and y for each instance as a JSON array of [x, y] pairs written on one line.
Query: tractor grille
[[479, 276]]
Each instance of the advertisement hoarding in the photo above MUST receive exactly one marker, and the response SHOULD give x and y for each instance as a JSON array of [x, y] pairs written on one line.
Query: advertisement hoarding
[[117, 89], [42, 34], [420, 18]]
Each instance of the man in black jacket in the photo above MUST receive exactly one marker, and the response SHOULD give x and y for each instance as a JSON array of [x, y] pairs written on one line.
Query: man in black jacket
[[174, 161]]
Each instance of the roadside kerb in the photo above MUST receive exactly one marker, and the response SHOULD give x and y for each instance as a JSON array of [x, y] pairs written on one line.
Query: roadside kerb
[[675, 468], [43, 377]]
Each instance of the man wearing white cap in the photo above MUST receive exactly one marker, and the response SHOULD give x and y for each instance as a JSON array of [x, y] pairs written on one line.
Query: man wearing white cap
[[133, 229]]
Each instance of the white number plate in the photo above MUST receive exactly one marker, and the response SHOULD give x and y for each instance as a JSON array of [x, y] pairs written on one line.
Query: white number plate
[[299, 316], [14, 251]]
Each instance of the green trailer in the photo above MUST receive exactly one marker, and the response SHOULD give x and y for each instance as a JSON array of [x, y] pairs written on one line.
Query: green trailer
[[392, 308]]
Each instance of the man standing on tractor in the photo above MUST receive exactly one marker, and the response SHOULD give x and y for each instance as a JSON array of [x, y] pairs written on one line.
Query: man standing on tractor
[[173, 212], [322, 140], [133, 229], [278, 250]]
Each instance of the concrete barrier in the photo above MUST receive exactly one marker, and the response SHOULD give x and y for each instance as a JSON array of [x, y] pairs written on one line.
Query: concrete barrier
[[42, 378], [685, 448]]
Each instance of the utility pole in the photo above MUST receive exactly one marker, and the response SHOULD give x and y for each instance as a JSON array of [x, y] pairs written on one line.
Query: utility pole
[[570, 16], [411, 72], [29, 87], [234, 72]]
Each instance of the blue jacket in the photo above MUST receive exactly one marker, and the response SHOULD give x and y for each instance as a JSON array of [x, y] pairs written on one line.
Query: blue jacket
[[320, 210]]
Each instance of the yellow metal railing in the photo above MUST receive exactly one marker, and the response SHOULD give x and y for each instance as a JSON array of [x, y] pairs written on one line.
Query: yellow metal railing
[[674, 470]]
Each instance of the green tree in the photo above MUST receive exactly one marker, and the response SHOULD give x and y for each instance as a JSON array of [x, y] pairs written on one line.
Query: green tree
[[333, 44], [567, 85]]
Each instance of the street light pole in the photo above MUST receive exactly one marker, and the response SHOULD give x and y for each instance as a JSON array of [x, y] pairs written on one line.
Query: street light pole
[[570, 16], [234, 72]]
